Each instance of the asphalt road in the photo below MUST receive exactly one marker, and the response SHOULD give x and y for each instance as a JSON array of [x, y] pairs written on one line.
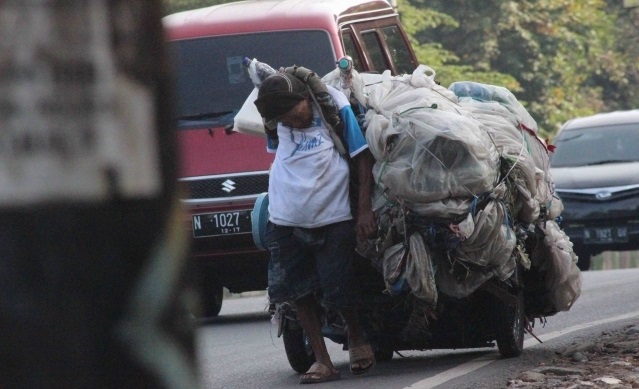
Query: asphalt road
[[240, 349]]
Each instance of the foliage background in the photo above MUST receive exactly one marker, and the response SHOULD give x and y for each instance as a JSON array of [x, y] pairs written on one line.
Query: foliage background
[[561, 58]]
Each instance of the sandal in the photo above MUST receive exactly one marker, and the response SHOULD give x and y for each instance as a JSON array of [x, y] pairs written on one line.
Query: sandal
[[362, 359], [319, 372]]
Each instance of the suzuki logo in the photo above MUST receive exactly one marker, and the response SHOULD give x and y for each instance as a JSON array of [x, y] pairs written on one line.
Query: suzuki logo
[[228, 186], [603, 195]]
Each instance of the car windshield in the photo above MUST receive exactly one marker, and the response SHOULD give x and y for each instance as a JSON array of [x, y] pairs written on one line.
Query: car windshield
[[596, 146], [211, 82]]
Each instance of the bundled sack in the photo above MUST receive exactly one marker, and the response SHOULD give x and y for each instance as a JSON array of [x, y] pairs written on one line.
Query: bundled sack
[[445, 210], [484, 92], [379, 89], [413, 266], [557, 260], [513, 131], [531, 170], [459, 284], [485, 243], [391, 231], [491, 242], [434, 155], [427, 153], [397, 94], [420, 272]]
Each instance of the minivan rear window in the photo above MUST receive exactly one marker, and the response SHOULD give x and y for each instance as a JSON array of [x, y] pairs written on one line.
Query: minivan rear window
[[211, 81], [398, 50], [374, 48], [349, 49]]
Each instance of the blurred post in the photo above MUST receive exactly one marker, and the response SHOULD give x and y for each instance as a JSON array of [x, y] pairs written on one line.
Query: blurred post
[[92, 292]]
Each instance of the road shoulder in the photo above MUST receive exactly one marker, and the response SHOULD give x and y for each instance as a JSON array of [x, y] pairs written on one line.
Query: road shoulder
[[610, 360]]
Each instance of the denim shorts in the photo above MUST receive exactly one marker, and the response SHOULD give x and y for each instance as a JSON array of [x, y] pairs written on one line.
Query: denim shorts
[[312, 260]]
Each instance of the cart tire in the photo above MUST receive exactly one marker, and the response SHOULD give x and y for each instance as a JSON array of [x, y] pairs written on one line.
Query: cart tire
[[511, 321], [298, 351], [383, 354]]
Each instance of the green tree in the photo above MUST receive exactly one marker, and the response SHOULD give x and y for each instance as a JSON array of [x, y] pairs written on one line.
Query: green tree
[[569, 57], [417, 19], [619, 74]]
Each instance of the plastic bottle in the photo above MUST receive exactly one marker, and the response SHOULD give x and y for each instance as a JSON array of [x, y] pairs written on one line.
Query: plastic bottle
[[345, 66], [257, 70]]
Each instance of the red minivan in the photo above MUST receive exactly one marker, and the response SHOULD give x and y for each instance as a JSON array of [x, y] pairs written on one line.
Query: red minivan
[[224, 171]]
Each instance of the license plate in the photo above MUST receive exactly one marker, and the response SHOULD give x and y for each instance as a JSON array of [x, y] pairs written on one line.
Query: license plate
[[221, 223], [606, 235]]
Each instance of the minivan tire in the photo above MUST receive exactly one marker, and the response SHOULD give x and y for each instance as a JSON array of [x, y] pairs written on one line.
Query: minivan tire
[[212, 298], [585, 258]]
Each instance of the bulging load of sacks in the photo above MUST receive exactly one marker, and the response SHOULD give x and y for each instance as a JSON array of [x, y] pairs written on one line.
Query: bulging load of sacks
[[461, 180]]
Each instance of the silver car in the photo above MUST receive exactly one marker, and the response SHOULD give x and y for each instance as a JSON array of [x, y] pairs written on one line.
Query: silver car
[[596, 173]]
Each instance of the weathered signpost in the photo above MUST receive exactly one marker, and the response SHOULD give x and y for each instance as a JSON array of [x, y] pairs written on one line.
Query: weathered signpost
[[91, 246]]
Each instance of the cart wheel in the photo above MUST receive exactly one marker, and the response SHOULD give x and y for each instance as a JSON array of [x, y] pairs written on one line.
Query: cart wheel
[[298, 351], [510, 328], [382, 353]]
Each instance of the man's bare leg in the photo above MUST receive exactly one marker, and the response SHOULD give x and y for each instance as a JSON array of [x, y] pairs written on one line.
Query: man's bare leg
[[361, 360], [307, 311]]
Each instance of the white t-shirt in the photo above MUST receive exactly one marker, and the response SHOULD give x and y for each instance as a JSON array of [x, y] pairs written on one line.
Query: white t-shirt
[[308, 183]]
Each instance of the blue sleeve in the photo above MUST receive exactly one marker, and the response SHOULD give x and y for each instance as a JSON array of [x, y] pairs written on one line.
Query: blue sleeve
[[271, 145], [352, 132]]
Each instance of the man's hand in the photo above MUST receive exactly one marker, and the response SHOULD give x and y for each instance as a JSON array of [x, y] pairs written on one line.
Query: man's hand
[[366, 224]]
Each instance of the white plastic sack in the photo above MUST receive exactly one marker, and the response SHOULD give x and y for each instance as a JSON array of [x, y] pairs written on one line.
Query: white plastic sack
[[491, 243], [459, 285], [248, 120], [357, 85], [484, 92], [392, 262], [557, 259], [420, 272], [527, 154], [430, 155]]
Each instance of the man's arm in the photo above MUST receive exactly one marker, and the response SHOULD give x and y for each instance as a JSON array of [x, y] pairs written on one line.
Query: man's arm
[[364, 161], [366, 223]]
